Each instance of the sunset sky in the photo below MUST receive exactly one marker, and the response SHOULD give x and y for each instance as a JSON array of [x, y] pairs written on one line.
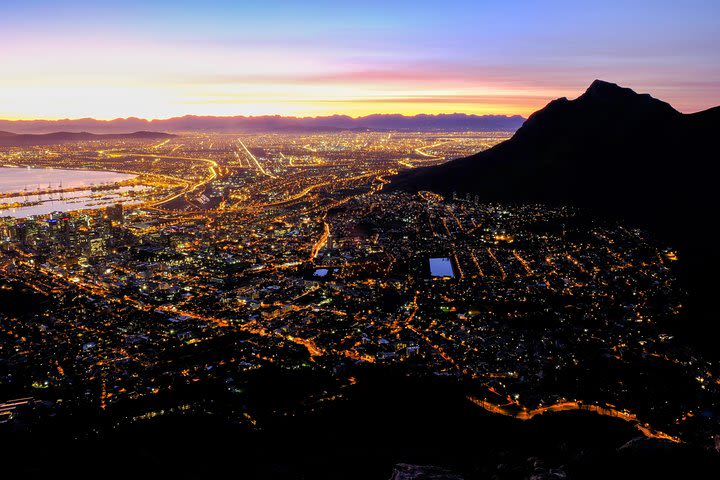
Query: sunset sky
[[105, 60]]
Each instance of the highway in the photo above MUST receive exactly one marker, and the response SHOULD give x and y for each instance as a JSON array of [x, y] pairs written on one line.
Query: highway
[[257, 164], [566, 406]]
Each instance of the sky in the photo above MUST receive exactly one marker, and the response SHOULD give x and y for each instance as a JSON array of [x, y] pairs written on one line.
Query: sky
[[160, 59]]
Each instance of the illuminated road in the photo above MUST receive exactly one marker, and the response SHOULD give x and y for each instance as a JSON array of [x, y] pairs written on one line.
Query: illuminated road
[[321, 241], [257, 164], [525, 414], [420, 151], [212, 175]]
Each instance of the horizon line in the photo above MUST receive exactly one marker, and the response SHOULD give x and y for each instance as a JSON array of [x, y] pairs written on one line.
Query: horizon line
[[302, 117]]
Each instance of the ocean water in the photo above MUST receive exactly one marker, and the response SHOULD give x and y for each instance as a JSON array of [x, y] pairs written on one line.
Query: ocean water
[[32, 186]]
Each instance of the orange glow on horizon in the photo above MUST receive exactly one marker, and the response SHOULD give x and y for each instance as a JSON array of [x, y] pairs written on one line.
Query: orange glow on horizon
[[149, 103]]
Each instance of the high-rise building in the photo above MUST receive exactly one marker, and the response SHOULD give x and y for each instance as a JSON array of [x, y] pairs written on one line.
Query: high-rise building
[[97, 246], [115, 213]]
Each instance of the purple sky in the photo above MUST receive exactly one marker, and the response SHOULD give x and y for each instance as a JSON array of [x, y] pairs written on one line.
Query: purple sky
[[117, 59]]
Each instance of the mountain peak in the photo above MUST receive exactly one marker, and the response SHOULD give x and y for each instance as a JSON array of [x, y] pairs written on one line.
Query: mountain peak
[[605, 93], [577, 147], [600, 89]]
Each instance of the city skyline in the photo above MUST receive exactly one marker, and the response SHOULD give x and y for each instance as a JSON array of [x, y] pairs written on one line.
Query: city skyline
[[94, 59]]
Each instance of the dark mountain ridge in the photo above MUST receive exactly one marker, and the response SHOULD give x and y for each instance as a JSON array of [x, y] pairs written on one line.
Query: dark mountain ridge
[[8, 139], [609, 146], [274, 123], [618, 153]]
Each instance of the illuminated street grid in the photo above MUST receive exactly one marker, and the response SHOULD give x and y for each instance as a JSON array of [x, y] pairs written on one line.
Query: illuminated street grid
[[288, 250]]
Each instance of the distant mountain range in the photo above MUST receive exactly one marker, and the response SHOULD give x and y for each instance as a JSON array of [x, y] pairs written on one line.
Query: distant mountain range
[[454, 121], [616, 152], [8, 139]]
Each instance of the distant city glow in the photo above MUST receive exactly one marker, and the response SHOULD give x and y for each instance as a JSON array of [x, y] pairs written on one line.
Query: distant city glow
[[163, 59]]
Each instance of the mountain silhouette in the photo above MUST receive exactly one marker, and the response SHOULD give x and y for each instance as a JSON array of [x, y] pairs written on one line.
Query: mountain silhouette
[[275, 123], [8, 139], [616, 152], [609, 146]]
